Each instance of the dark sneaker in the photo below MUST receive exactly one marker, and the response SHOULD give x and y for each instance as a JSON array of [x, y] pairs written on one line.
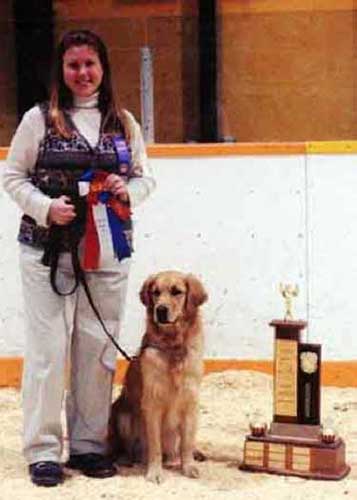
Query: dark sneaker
[[46, 473], [92, 465]]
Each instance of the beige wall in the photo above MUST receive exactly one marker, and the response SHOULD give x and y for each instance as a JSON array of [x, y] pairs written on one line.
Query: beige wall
[[8, 110], [288, 70]]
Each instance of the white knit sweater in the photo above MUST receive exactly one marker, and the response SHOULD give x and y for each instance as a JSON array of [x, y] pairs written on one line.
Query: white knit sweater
[[24, 148]]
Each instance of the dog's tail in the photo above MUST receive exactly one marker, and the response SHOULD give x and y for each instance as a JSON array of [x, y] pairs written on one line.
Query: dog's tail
[[123, 443], [116, 443]]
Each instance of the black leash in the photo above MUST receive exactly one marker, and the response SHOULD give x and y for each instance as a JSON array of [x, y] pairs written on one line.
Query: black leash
[[51, 256], [78, 271]]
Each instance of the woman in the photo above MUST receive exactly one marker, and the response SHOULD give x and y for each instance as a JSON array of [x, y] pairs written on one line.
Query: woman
[[76, 147]]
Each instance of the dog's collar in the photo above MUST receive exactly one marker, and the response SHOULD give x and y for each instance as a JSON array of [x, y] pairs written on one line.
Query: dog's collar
[[175, 353]]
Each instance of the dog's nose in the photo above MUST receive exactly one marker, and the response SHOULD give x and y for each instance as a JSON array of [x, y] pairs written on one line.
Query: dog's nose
[[162, 314]]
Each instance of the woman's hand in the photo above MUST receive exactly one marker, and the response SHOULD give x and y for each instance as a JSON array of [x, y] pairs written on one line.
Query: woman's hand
[[117, 186], [61, 211]]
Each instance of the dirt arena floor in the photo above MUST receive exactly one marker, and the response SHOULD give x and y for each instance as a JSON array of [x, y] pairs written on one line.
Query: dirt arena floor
[[229, 401]]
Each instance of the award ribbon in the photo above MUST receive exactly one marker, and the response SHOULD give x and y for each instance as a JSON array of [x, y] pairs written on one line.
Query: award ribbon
[[104, 238]]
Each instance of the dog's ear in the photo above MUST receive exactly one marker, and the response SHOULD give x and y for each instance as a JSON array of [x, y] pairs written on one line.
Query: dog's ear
[[196, 295], [145, 290]]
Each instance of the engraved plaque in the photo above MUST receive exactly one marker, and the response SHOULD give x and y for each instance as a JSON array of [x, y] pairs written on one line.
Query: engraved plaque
[[254, 453], [301, 458], [285, 397], [276, 457]]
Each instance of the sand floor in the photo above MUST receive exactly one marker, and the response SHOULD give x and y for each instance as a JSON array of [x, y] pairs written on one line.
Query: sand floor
[[229, 401]]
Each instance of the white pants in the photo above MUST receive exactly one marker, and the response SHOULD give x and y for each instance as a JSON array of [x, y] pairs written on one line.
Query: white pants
[[60, 329]]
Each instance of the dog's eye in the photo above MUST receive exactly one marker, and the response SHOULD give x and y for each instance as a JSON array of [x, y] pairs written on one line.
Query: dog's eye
[[176, 291], [156, 293]]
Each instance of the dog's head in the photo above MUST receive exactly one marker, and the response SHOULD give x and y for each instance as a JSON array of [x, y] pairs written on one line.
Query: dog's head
[[170, 296]]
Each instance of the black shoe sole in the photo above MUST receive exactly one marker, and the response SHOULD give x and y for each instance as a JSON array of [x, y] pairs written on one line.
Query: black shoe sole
[[93, 472], [101, 475], [46, 482]]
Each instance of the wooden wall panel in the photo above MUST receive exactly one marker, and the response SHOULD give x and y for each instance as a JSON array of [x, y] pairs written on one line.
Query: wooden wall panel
[[116, 8], [287, 70], [287, 75], [170, 29], [255, 6]]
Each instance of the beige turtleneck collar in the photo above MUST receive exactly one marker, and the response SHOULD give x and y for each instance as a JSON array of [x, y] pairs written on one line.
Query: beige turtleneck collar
[[86, 102]]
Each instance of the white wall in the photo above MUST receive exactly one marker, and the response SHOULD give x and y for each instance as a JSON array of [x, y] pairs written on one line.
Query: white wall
[[243, 224]]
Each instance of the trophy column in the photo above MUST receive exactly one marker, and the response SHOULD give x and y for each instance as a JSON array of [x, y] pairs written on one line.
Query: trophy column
[[297, 369]]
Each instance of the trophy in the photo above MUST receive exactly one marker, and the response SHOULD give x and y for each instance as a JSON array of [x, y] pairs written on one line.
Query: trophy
[[296, 443]]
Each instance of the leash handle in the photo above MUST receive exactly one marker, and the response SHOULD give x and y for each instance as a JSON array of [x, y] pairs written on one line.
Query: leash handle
[[50, 258]]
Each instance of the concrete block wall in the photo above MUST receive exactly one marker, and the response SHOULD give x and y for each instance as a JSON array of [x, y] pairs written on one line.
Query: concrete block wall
[[243, 224]]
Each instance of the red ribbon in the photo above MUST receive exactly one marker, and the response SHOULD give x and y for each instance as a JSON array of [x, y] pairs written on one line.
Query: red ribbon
[[91, 247], [90, 259]]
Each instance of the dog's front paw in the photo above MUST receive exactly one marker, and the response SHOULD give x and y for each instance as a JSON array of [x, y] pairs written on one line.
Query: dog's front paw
[[155, 475], [190, 470]]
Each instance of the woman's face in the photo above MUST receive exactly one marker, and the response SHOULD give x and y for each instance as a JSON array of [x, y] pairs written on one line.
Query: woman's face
[[82, 70]]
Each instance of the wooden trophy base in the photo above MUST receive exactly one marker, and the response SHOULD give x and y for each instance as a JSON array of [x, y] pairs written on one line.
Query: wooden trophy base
[[295, 450]]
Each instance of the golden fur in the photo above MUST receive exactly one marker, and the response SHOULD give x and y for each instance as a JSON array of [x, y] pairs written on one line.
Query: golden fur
[[156, 414]]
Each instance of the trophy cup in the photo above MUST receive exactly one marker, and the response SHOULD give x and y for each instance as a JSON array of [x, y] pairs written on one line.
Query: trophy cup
[[295, 444]]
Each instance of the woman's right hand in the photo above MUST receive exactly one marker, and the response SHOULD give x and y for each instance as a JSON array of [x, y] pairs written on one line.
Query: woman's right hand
[[61, 211]]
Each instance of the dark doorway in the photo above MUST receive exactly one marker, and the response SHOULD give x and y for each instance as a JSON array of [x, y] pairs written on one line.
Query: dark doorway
[[34, 41], [208, 71]]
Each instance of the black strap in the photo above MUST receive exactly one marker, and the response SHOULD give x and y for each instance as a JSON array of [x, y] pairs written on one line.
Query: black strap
[[79, 274]]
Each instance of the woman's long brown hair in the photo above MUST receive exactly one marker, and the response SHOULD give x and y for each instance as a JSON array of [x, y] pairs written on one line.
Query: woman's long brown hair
[[61, 97]]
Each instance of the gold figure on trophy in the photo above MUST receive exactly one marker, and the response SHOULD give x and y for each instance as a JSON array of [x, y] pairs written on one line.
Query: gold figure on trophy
[[288, 292]]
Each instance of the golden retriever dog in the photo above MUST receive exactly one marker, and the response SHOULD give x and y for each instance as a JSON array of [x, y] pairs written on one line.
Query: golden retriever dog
[[155, 416]]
